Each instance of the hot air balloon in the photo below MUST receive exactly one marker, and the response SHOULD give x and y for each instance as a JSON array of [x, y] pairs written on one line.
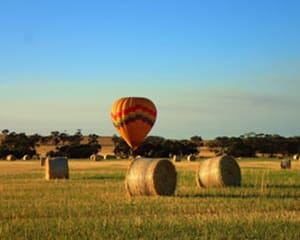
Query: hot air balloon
[[133, 117]]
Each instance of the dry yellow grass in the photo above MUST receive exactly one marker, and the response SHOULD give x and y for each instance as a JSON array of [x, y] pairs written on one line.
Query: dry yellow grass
[[93, 204], [43, 149], [206, 152], [6, 167], [255, 164], [19, 167], [272, 165]]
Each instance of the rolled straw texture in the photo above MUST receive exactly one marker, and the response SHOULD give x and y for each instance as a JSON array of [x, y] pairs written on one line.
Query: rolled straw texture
[[10, 157], [56, 168], [285, 164], [109, 157], [96, 157], [176, 158], [218, 172], [26, 157], [146, 176], [191, 158], [296, 157]]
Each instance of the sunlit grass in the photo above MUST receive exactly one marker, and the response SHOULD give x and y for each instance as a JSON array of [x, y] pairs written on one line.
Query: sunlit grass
[[93, 204]]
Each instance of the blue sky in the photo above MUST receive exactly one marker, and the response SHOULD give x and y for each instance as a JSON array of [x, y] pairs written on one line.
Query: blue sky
[[213, 68]]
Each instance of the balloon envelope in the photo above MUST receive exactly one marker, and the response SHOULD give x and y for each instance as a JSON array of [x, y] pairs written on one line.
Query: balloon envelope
[[133, 117]]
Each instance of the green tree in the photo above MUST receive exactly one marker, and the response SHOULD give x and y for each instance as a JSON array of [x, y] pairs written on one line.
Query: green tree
[[197, 140], [240, 149], [93, 139], [122, 149], [78, 151], [5, 131], [18, 145], [55, 137]]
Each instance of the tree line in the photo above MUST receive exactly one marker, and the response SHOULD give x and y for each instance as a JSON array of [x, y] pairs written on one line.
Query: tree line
[[250, 144], [155, 146], [70, 145]]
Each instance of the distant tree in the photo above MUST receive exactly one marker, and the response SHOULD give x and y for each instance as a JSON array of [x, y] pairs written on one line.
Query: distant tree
[[197, 140], [64, 137], [220, 144], [55, 137], [122, 149], [251, 143], [115, 139], [78, 151], [93, 139], [45, 140], [240, 149], [35, 139], [154, 146], [188, 147], [5, 131], [76, 138], [17, 144], [293, 145]]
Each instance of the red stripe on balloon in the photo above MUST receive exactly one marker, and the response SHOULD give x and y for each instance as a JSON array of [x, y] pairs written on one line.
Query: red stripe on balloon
[[133, 109], [129, 120]]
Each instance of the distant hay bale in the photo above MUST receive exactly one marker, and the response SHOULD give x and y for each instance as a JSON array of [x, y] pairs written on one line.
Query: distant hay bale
[[218, 172], [176, 158], [296, 157], [96, 157], [10, 157], [285, 164], [57, 168], [26, 157], [109, 157], [147, 176], [191, 158], [42, 161]]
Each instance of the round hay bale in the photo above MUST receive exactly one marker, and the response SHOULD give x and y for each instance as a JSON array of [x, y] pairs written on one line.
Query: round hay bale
[[10, 157], [296, 157], [147, 176], [57, 168], [191, 158], [176, 158], [218, 172], [285, 164], [42, 161], [26, 157], [96, 157], [109, 157]]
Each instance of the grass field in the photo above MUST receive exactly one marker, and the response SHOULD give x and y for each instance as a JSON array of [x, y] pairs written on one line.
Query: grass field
[[93, 204]]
